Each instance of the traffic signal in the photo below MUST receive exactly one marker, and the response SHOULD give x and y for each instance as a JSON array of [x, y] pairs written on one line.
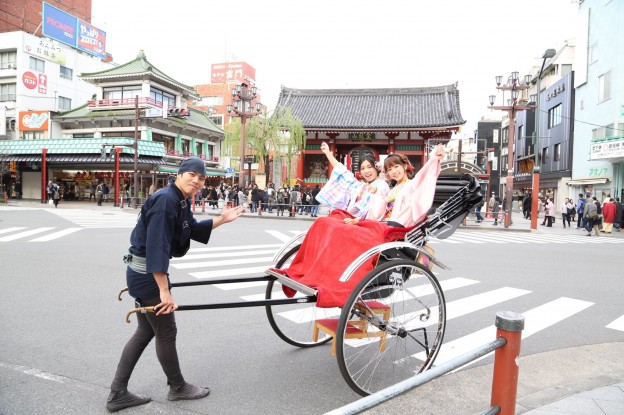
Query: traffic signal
[[178, 112]]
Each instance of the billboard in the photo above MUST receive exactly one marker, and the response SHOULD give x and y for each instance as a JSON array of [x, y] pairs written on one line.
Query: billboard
[[72, 31], [33, 120], [223, 73]]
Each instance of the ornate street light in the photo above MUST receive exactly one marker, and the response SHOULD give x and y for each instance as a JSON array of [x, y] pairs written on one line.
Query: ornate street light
[[243, 96], [514, 105]]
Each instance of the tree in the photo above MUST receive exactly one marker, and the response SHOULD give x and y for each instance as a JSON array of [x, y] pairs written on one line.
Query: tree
[[274, 136]]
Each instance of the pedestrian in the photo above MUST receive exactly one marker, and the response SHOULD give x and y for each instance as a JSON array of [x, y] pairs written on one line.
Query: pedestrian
[[214, 198], [105, 192], [526, 206], [580, 203], [495, 209], [315, 202], [591, 218], [242, 199], [491, 202], [549, 209], [99, 193], [280, 199], [618, 215], [270, 192], [566, 212], [56, 194], [478, 208], [608, 214], [92, 191], [164, 230]]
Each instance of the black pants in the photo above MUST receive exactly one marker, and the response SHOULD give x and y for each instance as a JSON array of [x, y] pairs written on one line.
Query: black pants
[[163, 327]]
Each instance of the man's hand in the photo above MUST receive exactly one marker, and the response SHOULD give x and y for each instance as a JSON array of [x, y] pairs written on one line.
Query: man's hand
[[166, 305], [228, 215]]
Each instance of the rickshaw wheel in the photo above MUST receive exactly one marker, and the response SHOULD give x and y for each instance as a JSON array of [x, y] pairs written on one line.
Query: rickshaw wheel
[[391, 326], [294, 323]]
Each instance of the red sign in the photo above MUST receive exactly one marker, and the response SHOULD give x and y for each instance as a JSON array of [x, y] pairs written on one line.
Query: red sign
[[33, 120], [43, 84], [30, 80]]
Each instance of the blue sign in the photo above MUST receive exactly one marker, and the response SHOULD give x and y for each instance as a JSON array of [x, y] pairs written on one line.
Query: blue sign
[[230, 170], [59, 25]]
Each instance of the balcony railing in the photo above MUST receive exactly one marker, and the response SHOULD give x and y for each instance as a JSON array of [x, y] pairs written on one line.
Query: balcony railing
[[175, 153], [123, 102]]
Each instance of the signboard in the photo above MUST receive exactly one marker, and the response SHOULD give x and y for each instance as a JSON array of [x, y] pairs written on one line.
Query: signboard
[[250, 159], [357, 154], [230, 170], [33, 120], [44, 49], [29, 80], [39, 81], [70, 30], [222, 73], [609, 149], [154, 112], [59, 25], [91, 39]]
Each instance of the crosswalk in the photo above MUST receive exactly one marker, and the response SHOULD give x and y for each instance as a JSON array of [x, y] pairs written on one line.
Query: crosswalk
[[48, 233], [105, 219], [249, 260]]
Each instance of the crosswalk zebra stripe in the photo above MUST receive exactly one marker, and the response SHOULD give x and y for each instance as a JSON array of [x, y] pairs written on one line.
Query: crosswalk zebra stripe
[[224, 255], [307, 313], [56, 235], [617, 324], [279, 235], [16, 228], [225, 262], [24, 234], [536, 319], [233, 248], [233, 272]]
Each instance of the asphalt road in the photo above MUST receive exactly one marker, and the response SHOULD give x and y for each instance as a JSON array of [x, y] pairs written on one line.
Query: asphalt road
[[62, 328]]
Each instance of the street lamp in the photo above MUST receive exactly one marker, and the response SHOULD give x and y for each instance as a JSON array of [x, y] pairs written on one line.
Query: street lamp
[[537, 150], [514, 86], [243, 96]]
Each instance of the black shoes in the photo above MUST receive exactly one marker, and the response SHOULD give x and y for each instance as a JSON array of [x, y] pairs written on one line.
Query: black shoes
[[187, 392], [123, 399]]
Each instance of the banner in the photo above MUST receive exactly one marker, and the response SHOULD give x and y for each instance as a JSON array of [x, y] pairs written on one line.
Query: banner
[[33, 120], [44, 49], [91, 39], [59, 25]]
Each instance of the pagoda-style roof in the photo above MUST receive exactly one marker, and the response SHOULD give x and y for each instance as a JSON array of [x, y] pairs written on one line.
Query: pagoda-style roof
[[196, 118], [381, 108], [136, 69]]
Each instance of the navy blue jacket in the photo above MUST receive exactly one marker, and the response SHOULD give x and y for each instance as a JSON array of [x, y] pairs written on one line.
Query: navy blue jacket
[[164, 230]]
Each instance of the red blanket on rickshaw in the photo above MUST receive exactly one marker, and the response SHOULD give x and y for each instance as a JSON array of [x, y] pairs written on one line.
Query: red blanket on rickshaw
[[329, 248]]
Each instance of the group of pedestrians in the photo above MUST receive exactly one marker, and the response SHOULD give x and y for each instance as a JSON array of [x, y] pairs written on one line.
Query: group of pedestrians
[[597, 217]]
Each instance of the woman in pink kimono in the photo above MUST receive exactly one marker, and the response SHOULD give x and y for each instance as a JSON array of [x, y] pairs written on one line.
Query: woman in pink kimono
[[330, 247]]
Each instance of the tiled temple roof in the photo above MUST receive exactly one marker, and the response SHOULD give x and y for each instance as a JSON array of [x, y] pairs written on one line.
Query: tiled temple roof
[[383, 108]]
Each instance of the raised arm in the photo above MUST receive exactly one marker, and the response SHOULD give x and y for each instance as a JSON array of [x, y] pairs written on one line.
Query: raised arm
[[330, 156]]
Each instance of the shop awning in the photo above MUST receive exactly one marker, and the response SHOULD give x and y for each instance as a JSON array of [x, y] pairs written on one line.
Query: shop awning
[[588, 181], [83, 158]]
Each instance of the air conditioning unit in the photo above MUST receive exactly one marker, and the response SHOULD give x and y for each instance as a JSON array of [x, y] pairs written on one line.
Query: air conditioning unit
[[11, 66]]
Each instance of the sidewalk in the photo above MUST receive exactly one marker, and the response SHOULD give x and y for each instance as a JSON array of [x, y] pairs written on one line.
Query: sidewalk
[[587, 380]]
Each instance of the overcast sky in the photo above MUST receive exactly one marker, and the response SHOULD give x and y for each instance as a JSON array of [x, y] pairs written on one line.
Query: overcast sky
[[342, 43]]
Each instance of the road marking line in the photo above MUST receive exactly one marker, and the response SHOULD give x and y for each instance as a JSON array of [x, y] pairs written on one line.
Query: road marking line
[[24, 234], [230, 272], [56, 235], [279, 235], [7, 230], [617, 324], [233, 248], [225, 262], [225, 255]]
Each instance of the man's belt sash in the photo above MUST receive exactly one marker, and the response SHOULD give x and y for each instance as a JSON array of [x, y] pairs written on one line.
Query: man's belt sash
[[135, 263]]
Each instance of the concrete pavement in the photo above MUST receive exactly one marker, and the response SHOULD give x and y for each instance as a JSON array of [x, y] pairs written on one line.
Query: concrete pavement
[[584, 380]]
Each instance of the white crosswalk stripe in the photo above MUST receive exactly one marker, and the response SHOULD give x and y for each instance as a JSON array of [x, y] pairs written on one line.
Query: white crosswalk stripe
[[98, 219], [22, 232], [617, 324]]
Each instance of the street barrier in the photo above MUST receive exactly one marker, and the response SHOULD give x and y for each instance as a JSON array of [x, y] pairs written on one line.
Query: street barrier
[[509, 326]]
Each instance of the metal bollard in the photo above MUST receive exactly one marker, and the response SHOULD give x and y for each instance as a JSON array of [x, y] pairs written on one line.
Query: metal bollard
[[505, 380], [121, 200], [203, 205], [259, 208], [294, 210]]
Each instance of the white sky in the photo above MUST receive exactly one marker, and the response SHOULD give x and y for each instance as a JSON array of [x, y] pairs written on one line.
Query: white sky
[[342, 43]]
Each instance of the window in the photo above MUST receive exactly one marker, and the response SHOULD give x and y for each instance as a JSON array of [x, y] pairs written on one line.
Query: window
[[83, 135], [593, 52], [161, 96], [8, 60], [122, 92], [37, 65], [64, 104], [217, 119], [66, 72], [557, 152], [545, 155], [7, 92], [199, 147], [554, 116], [604, 87], [33, 135], [185, 146]]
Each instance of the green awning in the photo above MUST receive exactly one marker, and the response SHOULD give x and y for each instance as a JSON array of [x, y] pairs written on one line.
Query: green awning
[[80, 146]]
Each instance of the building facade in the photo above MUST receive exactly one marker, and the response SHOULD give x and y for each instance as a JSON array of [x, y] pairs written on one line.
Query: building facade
[[598, 163]]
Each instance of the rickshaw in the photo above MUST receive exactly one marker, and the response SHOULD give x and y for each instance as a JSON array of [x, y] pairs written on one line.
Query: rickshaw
[[392, 325]]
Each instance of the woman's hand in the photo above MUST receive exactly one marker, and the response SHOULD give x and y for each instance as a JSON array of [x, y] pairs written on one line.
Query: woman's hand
[[351, 221], [371, 189], [324, 148], [328, 153], [439, 151]]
